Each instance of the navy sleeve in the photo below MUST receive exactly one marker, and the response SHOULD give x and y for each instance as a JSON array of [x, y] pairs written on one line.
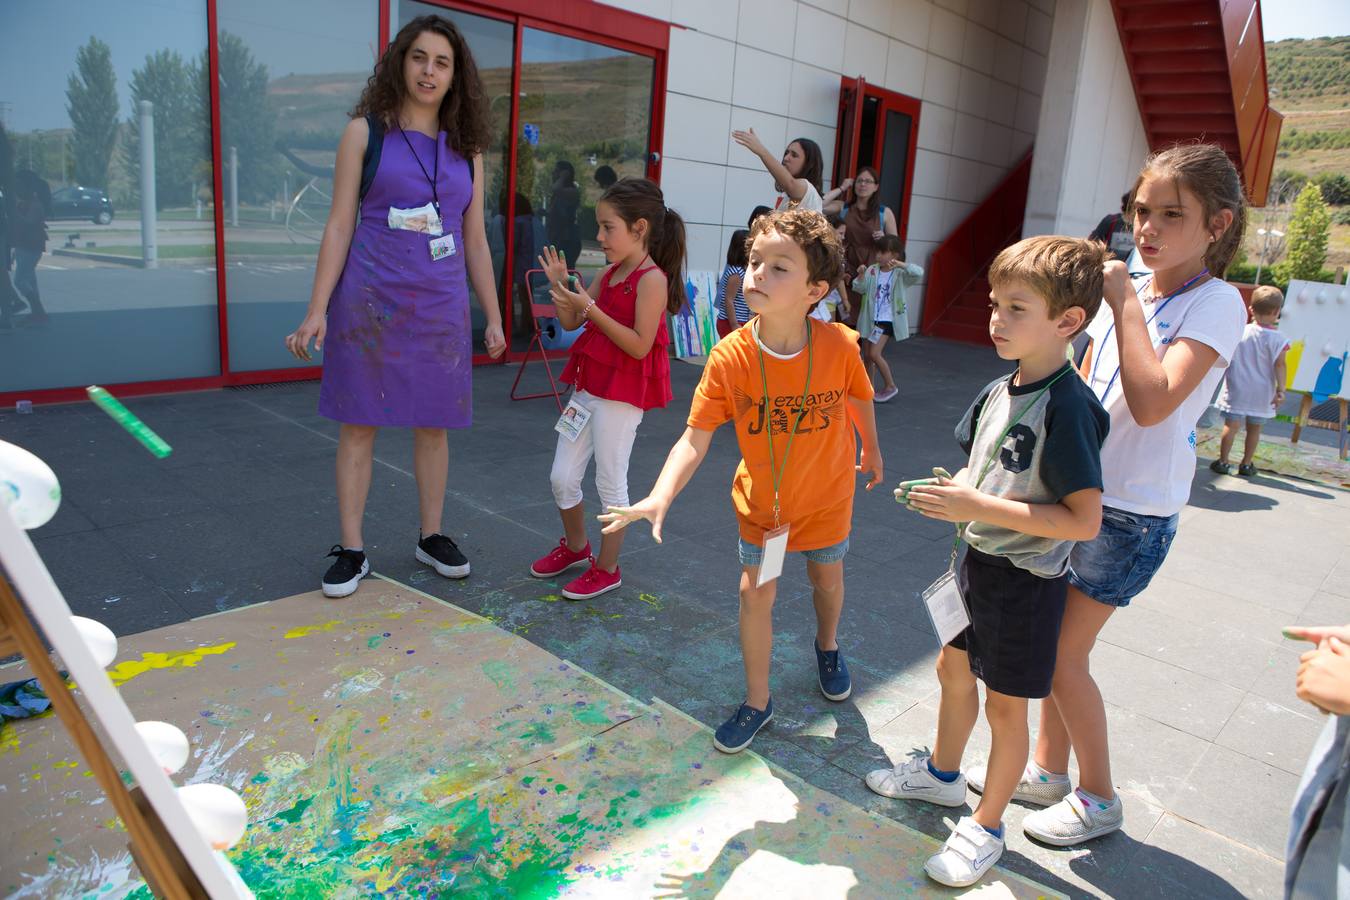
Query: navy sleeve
[[965, 429], [1075, 428], [1102, 232]]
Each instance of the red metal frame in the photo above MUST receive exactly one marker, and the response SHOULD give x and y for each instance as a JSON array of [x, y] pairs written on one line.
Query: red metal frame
[[583, 19], [538, 311], [889, 101]]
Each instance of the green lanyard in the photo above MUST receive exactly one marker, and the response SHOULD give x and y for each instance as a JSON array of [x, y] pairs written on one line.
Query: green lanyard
[[768, 420], [998, 446]]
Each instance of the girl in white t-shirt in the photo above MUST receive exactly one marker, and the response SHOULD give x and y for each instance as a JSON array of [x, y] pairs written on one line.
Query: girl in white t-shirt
[[796, 176], [1159, 347]]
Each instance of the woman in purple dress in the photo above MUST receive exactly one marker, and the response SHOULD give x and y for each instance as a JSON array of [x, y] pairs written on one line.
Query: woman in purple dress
[[390, 305]]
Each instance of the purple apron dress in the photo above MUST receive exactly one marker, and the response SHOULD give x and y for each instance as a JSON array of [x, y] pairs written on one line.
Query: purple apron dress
[[399, 349]]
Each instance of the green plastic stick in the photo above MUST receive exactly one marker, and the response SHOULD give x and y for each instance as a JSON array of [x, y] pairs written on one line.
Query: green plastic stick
[[127, 419]]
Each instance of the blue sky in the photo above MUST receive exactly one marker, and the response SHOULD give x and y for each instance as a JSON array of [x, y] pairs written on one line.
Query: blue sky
[[1282, 19]]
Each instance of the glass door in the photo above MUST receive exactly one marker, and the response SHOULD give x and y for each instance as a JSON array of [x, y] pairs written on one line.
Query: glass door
[[585, 121], [879, 128]]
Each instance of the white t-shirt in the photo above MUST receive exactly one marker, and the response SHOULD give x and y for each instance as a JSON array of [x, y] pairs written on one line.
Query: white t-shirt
[[883, 308], [1149, 470], [810, 200], [1249, 384], [824, 310]]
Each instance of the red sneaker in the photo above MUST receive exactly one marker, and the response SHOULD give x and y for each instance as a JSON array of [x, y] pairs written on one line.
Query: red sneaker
[[595, 582], [559, 560]]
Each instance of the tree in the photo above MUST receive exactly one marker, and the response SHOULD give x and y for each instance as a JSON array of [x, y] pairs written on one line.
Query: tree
[[247, 122], [178, 90], [91, 103], [1307, 236]]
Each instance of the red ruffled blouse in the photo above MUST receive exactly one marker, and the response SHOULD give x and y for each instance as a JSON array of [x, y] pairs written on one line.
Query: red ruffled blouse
[[597, 365]]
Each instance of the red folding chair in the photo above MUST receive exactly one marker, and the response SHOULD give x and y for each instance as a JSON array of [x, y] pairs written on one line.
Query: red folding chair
[[539, 311]]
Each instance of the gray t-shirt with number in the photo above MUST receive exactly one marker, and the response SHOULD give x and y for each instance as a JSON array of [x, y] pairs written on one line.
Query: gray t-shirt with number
[[1052, 451]]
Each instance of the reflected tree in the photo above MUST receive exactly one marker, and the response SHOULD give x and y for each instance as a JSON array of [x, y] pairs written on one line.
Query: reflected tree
[[91, 103], [178, 89], [247, 121]]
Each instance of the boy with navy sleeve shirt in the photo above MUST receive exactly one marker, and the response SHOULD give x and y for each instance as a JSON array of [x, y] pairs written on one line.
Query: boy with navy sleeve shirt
[[1032, 487]]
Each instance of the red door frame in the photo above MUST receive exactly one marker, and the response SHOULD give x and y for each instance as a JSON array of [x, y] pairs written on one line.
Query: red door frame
[[583, 19], [889, 101]]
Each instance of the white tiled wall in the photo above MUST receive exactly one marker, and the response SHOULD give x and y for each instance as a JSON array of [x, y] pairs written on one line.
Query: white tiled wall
[[1075, 182], [775, 65]]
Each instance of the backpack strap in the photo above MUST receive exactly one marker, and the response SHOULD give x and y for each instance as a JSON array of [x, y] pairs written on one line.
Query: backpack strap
[[370, 163]]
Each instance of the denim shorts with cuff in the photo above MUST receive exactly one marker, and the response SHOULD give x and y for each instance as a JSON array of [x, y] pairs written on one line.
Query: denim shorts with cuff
[[1235, 419], [1115, 566], [752, 555]]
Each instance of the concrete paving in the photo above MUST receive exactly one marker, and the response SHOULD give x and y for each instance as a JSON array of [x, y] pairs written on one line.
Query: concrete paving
[[1208, 738]]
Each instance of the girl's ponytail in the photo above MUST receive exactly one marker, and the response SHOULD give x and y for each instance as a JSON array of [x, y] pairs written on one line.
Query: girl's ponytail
[[639, 198], [667, 251]]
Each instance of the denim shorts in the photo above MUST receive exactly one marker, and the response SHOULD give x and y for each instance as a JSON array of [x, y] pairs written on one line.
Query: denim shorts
[[1115, 566], [752, 555], [1233, 419]]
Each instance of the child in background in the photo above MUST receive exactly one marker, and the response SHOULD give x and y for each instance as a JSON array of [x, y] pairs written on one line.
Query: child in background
[[1317, 857], [882, 287], [1032, 487], [788, 383], [618, 367], [1253, 386], [834, 307], [732, 312]]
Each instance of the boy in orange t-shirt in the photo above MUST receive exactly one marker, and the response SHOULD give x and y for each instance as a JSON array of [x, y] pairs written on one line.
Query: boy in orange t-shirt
[[796, 390]]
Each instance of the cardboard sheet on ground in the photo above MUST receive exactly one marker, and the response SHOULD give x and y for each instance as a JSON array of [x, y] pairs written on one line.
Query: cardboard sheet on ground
[[393, 744]]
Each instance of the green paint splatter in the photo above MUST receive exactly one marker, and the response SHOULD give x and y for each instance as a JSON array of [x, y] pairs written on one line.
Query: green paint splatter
[[652, 600], [540, 732], [501, 674], [375, 641], [591, 714]]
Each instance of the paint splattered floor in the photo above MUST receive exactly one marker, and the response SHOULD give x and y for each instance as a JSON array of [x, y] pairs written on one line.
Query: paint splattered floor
[[409, 748]]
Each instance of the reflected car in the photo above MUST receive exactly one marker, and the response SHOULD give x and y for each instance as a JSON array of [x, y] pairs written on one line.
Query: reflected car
[[82, 203]]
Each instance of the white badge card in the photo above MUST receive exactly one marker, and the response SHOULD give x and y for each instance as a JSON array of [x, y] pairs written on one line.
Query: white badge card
[[442, 247], [946, 608], [423, 219], [775, 551], [876, 335], [572, 420]]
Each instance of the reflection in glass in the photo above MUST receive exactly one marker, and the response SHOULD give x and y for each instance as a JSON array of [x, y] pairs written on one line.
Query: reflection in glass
[[492, 42], [290, 74], [585, 113], [105, 153]]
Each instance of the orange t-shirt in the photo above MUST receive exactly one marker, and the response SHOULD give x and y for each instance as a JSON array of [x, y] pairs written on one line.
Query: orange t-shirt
[[816, 491]]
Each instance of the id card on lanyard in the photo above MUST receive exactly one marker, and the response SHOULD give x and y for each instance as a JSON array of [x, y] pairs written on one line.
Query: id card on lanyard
[[444, 245], [776, 539]]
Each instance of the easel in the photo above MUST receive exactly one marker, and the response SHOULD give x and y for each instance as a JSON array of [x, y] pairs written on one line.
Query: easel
[[161, 863], [1303, 418]]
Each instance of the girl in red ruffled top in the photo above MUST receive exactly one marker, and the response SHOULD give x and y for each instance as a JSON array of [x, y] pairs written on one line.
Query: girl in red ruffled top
[[619, 367]]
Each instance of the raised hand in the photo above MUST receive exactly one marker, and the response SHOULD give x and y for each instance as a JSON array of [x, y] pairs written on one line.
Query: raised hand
[[554, 264]]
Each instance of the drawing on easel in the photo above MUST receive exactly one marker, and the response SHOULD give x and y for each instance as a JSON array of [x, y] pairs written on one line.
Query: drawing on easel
[[1316, 321], [177, 833]]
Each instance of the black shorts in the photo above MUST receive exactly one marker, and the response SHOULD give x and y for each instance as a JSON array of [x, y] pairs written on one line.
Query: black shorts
[[886, 328], [1014, 624]]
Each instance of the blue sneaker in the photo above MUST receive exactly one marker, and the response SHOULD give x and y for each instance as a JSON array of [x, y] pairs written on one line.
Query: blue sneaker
[[736, 733], [832, 672]]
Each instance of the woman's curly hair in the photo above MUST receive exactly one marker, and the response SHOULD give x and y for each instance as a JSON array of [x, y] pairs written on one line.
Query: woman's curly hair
[[464, 110]]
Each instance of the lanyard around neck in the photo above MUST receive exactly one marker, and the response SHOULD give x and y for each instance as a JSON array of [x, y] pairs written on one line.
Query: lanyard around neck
[[1156, 312], [435, 173], [768, 419]]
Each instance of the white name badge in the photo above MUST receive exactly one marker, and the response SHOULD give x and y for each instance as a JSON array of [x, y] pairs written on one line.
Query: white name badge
[[572, 420], [442, 247], [775, 551], [423, 219], [946, 608], [876, 335]]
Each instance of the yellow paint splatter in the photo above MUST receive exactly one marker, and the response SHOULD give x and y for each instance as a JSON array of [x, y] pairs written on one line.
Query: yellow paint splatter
[[184, 659], [9, 739], [306, 630], [651, 600]]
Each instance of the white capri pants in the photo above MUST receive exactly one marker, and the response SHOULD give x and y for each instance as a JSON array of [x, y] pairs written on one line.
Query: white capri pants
[[608, 436]]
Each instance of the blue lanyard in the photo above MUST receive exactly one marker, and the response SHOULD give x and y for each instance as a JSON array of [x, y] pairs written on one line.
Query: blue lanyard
[[1098, 356]]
